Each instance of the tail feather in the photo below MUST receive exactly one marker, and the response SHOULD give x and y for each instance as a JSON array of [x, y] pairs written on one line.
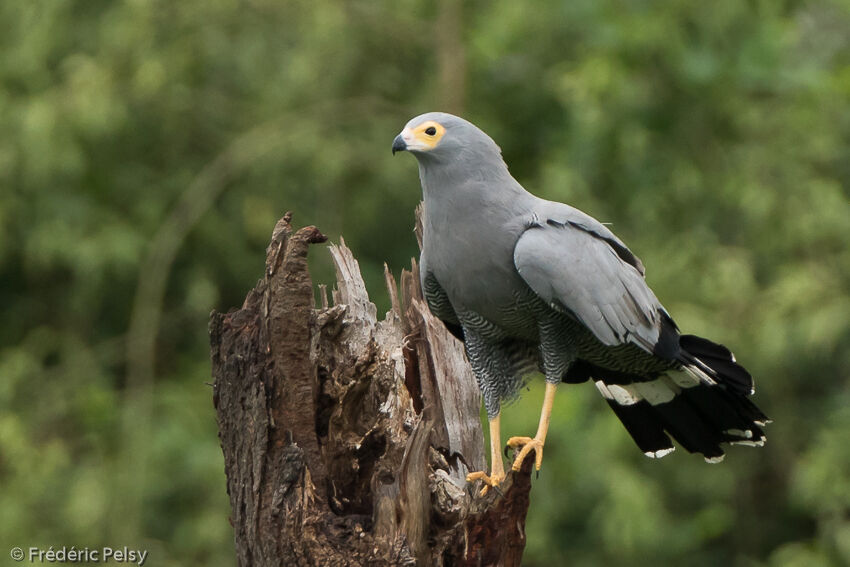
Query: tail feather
[[701, 405], [718, 360], [719, 410], [690, 429], [643, 424]]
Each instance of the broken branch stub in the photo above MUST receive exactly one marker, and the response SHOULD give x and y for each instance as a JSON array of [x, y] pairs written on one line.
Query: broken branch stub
[[346, 439]]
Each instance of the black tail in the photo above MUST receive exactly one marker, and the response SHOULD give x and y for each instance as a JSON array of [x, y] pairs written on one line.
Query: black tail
[[701, 405]]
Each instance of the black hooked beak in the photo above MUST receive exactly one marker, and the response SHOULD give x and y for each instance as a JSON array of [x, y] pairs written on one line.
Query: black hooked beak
[[399, 144]]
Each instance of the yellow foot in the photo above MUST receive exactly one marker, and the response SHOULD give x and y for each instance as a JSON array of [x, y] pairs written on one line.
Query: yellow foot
[[489, 481], [528, 445]]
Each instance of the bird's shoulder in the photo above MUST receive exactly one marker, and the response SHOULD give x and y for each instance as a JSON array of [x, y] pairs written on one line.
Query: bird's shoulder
[[560, 217]]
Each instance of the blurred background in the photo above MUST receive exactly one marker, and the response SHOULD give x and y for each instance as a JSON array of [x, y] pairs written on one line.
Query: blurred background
[[148, 147]]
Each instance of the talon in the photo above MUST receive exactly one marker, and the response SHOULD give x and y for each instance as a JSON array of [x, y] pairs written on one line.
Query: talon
[[515, 442], [528, 445], [489, 481]]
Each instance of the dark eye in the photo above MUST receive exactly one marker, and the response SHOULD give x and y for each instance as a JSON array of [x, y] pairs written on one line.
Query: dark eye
[[430, 130]]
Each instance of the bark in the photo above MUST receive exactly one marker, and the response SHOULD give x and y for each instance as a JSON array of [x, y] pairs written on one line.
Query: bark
[[346, 439]]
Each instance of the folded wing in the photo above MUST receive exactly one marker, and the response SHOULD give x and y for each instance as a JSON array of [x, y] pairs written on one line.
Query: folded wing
[[578, 266]]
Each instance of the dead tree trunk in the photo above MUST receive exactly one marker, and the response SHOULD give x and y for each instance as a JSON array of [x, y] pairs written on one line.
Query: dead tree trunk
[[347, 440]]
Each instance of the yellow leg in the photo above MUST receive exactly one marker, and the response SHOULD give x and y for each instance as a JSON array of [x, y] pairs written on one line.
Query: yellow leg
[[528, 444], [497, 468]]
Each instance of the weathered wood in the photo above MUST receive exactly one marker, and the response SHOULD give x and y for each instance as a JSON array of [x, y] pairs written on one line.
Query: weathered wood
[[346, 439]]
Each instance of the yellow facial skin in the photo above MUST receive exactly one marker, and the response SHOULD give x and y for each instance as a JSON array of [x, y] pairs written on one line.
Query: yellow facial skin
[[423, 137]]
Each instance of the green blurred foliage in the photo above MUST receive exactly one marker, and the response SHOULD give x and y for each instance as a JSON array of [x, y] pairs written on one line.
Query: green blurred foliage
[[714, 136]]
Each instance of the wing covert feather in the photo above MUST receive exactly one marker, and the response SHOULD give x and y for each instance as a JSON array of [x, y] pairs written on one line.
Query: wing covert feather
[[585, 274]]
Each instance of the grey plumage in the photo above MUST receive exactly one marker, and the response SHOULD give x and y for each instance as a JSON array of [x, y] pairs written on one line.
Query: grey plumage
[[534, 284]]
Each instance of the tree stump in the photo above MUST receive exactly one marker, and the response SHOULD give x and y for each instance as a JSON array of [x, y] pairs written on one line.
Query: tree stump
[[346, 439]]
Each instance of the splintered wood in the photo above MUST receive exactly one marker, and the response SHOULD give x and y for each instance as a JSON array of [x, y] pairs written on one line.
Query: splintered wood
[[347, 440]]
